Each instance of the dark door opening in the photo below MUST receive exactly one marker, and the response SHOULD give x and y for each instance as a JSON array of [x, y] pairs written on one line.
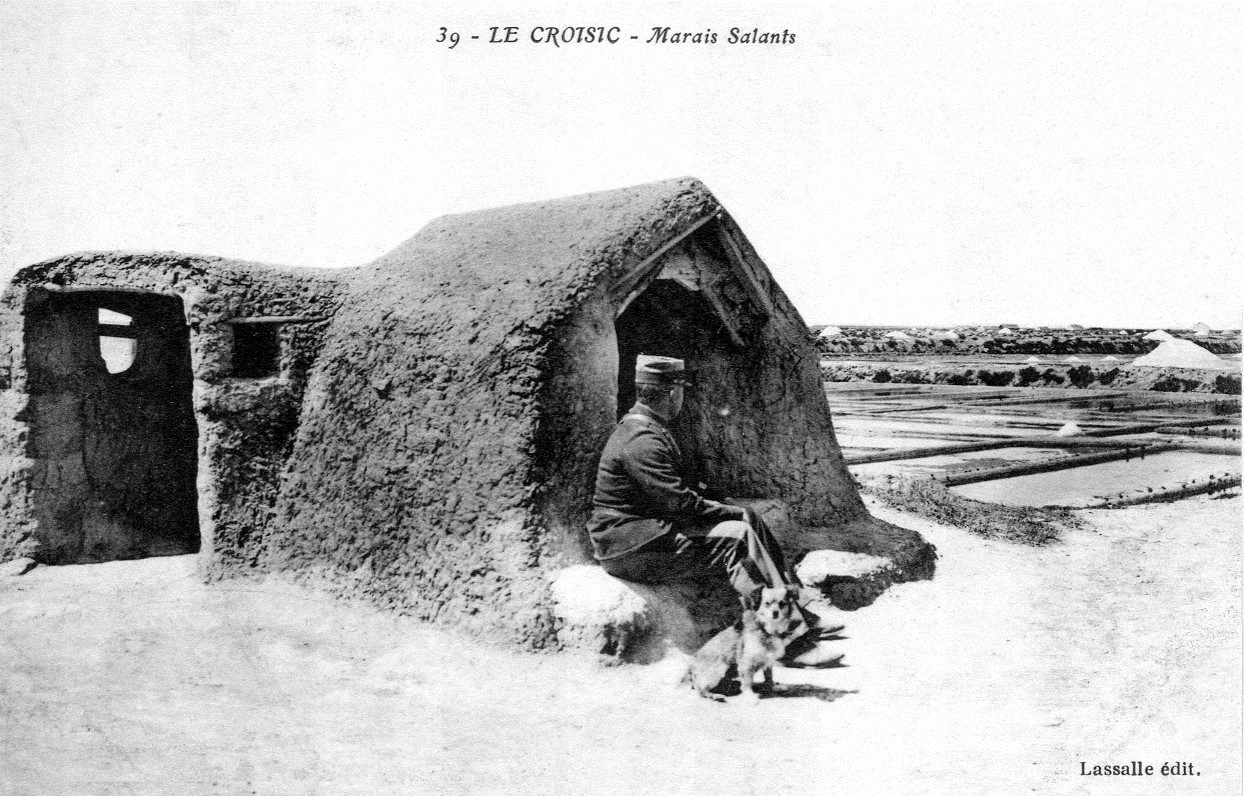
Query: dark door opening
[[112, 427], [669, 320], [665, 320]]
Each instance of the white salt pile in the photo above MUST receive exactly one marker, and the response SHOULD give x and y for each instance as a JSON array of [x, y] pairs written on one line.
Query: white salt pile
[[1180, 354]]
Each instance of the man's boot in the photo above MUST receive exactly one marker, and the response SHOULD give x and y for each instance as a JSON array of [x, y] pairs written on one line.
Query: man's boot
[[807, 653], [818, 626]]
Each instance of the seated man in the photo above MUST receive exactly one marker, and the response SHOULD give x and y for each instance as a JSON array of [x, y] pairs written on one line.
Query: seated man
[[648, 526]]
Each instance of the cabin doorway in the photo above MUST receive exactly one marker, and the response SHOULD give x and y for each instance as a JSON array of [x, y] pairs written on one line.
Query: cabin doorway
[[669, 320], [112, 427], [661, 321]]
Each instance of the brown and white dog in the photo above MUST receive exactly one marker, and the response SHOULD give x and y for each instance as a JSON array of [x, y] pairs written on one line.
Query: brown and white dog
[[754, 644]]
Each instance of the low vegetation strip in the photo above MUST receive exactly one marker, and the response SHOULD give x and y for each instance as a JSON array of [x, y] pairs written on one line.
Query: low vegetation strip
[[1054, 375], [963, 341], [928, 498]]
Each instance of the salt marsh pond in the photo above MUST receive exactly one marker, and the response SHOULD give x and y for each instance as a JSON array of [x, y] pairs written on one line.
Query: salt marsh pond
[[1038, 446]]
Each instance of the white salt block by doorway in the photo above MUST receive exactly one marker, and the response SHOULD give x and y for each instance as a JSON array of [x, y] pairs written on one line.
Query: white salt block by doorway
[[595, 612], [18, 566], [588, 594], [820, 566], [849, 580]]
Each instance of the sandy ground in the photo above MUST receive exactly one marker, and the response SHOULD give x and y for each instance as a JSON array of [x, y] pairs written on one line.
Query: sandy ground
[[1000, 676]]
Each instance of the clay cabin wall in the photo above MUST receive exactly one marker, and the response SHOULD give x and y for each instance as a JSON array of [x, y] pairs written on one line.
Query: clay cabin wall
[[417, 480], [450, 433], [180, 451], [409, 483]]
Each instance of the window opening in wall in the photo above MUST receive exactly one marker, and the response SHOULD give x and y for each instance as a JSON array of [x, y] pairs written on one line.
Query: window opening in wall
[[110, 318], [117, 344], [256, 350]]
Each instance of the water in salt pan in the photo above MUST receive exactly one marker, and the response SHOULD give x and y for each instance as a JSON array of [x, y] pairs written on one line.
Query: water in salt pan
[[1081, 486]]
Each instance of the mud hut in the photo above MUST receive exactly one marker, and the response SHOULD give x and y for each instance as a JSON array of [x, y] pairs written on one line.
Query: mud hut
[[174, 446], [421, 432]]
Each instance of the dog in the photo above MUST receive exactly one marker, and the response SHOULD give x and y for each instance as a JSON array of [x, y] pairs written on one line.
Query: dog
[[751, 645]]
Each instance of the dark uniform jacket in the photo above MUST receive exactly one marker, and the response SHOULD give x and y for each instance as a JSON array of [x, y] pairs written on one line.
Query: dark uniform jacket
[[640, 493]]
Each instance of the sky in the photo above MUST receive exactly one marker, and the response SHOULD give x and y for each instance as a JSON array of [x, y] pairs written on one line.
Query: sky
[[898, 164]]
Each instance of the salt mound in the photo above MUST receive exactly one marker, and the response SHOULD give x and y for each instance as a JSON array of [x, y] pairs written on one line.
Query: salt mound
[[1109, 358], [1159, 334], [1180, 354], [1074, 358], [1033, 361], [1069, 430]]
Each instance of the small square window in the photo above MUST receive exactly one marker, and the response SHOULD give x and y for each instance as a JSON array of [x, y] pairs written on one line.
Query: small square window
[[256, 350]]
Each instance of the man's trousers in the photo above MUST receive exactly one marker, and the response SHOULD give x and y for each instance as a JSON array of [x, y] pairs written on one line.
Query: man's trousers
[[745, 554]]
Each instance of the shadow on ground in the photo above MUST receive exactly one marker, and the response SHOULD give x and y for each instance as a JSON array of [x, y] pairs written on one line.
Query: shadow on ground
[[786, 691], [808, 690]]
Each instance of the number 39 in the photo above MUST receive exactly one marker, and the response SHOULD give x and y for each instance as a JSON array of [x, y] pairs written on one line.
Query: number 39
[[451, 37]]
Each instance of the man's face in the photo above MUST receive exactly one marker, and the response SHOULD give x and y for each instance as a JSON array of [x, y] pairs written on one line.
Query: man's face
[[676, 398]]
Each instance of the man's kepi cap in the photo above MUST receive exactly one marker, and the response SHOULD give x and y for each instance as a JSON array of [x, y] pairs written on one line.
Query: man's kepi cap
[[659, 370]]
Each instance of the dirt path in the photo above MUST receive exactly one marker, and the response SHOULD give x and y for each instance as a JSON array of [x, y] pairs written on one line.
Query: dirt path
[[1001, 675]]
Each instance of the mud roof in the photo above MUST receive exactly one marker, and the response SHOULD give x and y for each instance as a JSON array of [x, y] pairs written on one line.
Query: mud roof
[[64, 269], [559, 239], [528, 264]]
